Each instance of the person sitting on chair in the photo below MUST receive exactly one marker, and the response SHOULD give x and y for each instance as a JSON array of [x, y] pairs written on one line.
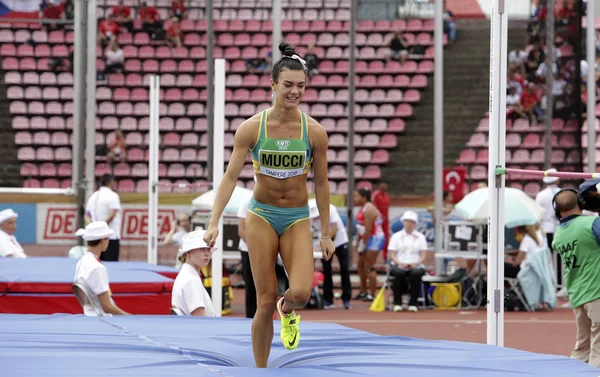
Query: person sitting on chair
[[406, 251], [189, 294], [92, 274]]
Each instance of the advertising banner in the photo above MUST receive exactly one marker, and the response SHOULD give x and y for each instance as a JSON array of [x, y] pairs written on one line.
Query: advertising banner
[[56, 223]]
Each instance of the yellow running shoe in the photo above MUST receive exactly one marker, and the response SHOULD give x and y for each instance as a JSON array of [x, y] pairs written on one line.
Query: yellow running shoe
[[290, 327]]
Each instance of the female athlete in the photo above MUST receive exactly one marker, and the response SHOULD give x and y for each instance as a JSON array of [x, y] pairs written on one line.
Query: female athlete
[[284, 142], [369, 243]]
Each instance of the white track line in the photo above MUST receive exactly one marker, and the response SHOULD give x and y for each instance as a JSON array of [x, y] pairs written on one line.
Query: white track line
[[457, 321]]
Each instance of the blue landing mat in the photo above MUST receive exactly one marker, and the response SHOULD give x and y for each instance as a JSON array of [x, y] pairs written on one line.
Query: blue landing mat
[[76, 346], [62, 270]]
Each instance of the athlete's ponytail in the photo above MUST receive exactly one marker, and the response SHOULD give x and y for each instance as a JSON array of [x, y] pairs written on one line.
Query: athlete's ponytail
[[289, 60]]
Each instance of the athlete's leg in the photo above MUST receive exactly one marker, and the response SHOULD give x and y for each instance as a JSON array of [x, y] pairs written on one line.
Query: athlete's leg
[[361, 272], [370, 259], [296, 249], [263, 244]]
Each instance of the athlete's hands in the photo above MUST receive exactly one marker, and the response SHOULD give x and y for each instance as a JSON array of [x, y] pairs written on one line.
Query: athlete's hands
[[327, 248], [210, 237]]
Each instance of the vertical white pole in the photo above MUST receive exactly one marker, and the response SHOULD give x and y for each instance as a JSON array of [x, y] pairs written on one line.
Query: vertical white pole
[[90, 130], [153, 170], [591, 85], [79, 103], [497, 147], [218, 168], [276, 16], [438, 138]]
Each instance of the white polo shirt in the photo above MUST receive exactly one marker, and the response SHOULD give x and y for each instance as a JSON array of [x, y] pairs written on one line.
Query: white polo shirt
[[341, 236], [544, 198], [99, 206], [242, 214], [408, 247], [10, 247], [93, 275], [189, 293]]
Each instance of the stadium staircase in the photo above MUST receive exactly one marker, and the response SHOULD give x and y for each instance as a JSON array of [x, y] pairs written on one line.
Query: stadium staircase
[[466, 93], [9, 164]]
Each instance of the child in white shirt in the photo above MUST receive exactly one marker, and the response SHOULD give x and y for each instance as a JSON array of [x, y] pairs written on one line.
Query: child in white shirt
[[189, 294], [92, 274]]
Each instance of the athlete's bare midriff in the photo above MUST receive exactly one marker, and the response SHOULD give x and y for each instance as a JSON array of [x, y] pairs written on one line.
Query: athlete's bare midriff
[[286, 193]]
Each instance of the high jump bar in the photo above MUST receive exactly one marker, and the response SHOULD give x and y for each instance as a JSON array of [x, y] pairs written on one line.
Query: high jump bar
[[37, 191], [546, 173]]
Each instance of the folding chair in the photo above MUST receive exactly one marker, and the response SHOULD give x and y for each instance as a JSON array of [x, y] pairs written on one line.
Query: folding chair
[[516, 287], [83, 297], [176, 311]]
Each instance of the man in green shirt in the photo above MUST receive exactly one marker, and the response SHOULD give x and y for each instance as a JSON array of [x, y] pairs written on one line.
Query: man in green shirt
[[577, 240]]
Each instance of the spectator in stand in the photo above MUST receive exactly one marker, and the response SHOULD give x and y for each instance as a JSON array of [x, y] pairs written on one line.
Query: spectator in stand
[[178, 9], [449, 25], [122, 16], [312, 61], [515, 81], [398, 48], [150, 19], [534, 59], [174, 33], [117, 149], [529, 106], [517, 58], [115, 59], [107, 31], [512, 100], [52, 10], [381, 199], [69, 9]]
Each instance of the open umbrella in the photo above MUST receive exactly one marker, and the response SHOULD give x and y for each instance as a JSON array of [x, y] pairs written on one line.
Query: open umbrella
[[207, 200], [519, 208]]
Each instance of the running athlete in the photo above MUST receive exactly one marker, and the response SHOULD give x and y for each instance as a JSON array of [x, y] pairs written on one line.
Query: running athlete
[[369, 243], [284, 142]]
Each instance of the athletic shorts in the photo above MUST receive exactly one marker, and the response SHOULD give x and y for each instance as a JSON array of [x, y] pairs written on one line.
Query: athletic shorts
[[280, 218], [376, 242]]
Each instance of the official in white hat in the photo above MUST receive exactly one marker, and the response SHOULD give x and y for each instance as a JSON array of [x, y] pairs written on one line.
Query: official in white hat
[[9, 246], [189, 295], [406, 249], [92, 274]]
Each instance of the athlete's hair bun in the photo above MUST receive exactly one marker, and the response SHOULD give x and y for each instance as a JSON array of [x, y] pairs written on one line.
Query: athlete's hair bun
[[286, 49]]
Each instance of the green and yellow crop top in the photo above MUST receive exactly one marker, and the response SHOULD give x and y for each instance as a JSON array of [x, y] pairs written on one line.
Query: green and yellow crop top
[[281, 158]]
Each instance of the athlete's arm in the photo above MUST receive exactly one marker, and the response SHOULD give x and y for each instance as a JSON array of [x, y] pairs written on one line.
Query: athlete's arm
[[245, 136], [320, 144]]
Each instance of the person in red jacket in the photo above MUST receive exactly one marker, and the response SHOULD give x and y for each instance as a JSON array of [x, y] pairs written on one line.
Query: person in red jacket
[[149, 17], [178, 9], [107, 31], [122, 15], [381, 199]]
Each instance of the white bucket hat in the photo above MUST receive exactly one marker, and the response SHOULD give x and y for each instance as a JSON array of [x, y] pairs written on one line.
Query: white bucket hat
[[410, 216], [7, 214], [98, 230], [193, 240], [549, 180]]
